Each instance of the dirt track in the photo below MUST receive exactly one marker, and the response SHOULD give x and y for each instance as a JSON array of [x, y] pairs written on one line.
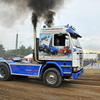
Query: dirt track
[[87, 87]]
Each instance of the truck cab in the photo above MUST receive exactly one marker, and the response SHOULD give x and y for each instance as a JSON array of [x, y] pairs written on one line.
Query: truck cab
[[59, 57], [69, 51]]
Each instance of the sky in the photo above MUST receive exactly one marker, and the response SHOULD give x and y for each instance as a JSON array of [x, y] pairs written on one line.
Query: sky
[[84, 15]]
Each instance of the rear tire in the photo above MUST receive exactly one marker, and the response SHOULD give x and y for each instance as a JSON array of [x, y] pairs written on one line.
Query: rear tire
[[52, 77], [4, 72]]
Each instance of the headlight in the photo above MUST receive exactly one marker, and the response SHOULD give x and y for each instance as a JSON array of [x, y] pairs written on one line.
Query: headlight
[[75, 69]]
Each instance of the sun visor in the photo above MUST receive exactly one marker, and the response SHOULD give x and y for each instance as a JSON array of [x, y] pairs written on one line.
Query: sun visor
[[70, 30], [73, 33]]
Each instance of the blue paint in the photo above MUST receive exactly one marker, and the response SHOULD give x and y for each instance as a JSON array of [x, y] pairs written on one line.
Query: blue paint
[[78, 74], [25, 69], [9, 61], [53, 49], [58, 64], [66, 69], [70, 30], [44, 26], [2, 59], [75, 50], [33, 70], [64, 63], [52, 62]]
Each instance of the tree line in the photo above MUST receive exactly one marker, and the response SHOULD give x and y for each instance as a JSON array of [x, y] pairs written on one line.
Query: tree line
[[21, 52]]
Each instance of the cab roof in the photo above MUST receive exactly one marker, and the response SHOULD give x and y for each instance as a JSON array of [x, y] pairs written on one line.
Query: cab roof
[[60, 29]]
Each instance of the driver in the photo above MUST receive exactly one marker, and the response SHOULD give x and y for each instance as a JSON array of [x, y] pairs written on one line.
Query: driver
[[57, 42]]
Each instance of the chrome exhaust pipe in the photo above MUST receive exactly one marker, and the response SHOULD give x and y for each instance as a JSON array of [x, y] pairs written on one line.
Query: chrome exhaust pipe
[[35, 51]]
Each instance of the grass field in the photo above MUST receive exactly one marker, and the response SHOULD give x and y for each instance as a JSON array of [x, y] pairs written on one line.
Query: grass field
[[91, 71]]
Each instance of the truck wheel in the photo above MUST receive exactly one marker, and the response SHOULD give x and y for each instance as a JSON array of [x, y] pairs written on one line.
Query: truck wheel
[[52, 77], [4, 72]]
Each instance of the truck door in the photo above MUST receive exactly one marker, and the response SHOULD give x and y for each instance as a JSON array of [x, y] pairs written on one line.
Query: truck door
[[62, 46]]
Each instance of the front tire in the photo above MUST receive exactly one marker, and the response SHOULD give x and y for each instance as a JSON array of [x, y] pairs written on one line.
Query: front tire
[[4, 72], [52, 77]]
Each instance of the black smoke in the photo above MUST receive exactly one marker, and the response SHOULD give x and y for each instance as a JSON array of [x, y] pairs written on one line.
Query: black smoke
[[49, 18], [19, 9], [34, 19], [45, 9]]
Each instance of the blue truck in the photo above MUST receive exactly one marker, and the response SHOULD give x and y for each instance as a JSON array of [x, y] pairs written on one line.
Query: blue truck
[[52, 69]]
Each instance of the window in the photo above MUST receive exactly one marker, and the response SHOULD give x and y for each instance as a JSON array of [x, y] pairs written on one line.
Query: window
[[60, 39], [75, 40]]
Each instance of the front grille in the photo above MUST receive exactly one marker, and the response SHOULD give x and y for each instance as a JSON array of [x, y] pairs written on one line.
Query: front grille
[[81, 58]]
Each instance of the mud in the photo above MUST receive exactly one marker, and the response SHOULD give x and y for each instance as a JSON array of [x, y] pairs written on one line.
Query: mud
[[87, 87]]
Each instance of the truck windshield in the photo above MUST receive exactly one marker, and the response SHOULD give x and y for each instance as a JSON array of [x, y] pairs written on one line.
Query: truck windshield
[[76, 42]]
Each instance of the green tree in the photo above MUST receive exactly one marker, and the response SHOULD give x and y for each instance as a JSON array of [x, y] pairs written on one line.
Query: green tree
[[22, 50], [2, 50], [9, 53], [29, 50]]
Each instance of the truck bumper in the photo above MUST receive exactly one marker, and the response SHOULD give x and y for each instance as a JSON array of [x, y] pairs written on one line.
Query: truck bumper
[[78, 74]]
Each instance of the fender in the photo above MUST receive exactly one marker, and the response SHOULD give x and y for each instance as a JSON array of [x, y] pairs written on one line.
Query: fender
[[51, 62], [6, 64]]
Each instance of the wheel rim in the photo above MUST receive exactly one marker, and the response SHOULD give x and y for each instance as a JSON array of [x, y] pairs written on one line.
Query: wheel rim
[[2, 72], [51, 78]]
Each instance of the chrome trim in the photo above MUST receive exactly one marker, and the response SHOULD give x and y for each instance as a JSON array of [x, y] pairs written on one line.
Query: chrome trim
[[68, 79], [25, 64], [51, 78], [66, 72], [25, 75], [65, 66], [39, 71]]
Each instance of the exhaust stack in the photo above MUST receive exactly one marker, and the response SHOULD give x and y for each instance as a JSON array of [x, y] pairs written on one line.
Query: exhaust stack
[[35, 50]]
